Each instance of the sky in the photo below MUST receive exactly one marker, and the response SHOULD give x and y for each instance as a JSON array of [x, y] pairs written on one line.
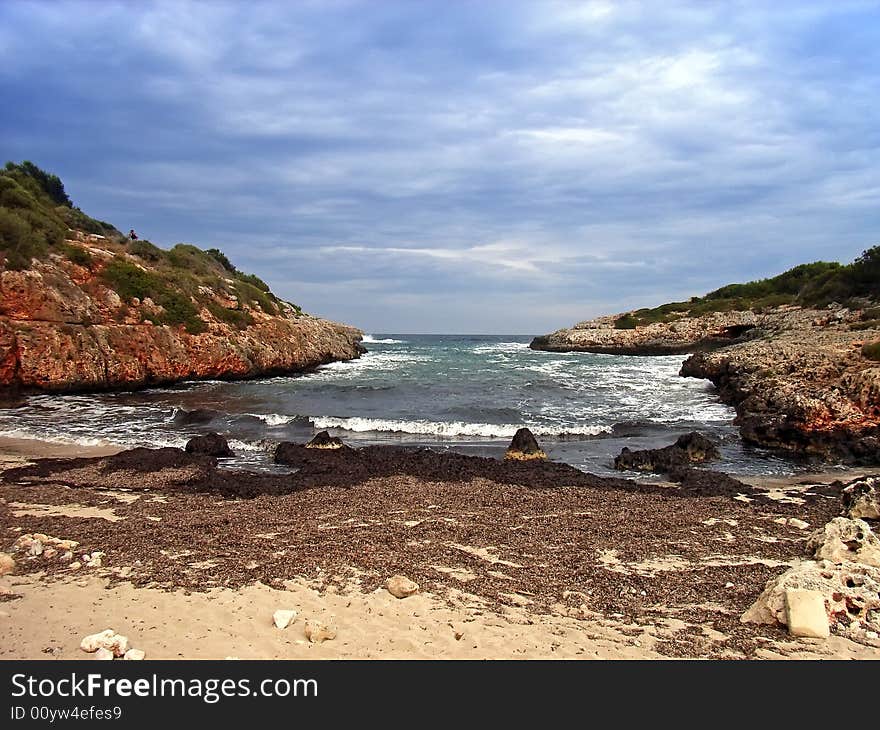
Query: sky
[[480, 167]]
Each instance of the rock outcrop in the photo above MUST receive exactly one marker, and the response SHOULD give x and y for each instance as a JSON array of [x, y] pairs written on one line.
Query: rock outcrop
[[685, 335], [804, 386], [63, 327], [524, 447], [691, 448], [210, 444]]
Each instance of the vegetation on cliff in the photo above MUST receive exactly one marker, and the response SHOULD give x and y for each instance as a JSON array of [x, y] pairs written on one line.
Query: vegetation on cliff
[[38, 220], [816, 284]]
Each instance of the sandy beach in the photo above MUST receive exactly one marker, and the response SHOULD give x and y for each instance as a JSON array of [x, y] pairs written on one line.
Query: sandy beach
[[505, 570]]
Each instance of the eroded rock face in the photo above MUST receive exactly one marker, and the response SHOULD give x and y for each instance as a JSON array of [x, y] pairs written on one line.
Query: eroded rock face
[[845, 540], [61, 329], [861, 499], [691, 448], [851, 593]]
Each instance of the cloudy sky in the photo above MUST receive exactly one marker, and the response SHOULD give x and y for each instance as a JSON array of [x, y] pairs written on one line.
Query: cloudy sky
[[507, 167]]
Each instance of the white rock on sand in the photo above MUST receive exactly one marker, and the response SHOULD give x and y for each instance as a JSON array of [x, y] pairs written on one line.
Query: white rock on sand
[[400, 586], [317, 632], [862, 498], [282, 618], [106, 639], [104, 654], [843, 540], [134, 655], [805, 614]]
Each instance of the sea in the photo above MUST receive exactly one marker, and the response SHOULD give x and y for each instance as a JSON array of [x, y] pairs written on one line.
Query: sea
[[465, 393]]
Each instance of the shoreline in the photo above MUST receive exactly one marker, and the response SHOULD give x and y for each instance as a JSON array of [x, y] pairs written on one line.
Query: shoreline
[[605, 570]]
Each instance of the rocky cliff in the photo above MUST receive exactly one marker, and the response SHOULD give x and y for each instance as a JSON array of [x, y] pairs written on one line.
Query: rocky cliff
[[84, 308], [63, 327]]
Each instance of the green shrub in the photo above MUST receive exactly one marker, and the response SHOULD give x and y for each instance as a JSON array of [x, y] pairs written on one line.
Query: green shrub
[[192, 259], [130, 281], [872, 350], [220, 257], [254, 281], [77, 255], [179, 309], [252, 295], [238, 318], [51, 185], [146, 250]]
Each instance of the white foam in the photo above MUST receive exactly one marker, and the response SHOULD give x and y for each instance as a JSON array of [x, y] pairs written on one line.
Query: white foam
[[449, 429], [272, 419], [370, 340]]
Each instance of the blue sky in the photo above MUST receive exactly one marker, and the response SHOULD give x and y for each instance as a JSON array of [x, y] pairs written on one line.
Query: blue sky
[[462, 166]]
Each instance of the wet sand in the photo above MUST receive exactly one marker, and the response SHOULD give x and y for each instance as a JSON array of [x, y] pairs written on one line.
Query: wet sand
[[590, 569]]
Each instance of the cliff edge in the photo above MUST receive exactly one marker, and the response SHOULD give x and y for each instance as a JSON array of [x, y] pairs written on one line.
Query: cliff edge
[[84, 308]]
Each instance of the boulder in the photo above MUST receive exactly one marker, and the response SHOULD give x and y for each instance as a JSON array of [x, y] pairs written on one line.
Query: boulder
[[104, 654], [134, 655], [199, 415], [211, 444], [324, 440], [282, 618], [850, 593], [805, 614], [400, 586], [524, 447], [317, 632], [845, 540], [7, 564], [861, 499], [691, 448]]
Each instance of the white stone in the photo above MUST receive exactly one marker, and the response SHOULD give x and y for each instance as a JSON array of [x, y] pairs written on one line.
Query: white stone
[[283, 617], [75, 565], [134, 655], [317, 632], [104, 654], [106, 639], [805, 614], [400, 586], [800, 524]]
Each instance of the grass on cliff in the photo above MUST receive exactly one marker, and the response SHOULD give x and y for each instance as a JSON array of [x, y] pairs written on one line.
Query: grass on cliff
[[36, 213], [817, 284]]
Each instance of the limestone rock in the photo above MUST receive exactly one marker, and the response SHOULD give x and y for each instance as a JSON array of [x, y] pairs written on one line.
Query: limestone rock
[[843, 540], [107, 639], [805, 614], [524, 447], [861, 498], [134, 655], [211, 444], [689, 448], [7, 564], [400, 586], [851, 595], [104, 654], [318, 632], [324, 440], [283, 617]]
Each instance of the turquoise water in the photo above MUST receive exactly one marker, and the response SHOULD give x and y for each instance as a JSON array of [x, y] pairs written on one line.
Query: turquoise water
[[464, 392]]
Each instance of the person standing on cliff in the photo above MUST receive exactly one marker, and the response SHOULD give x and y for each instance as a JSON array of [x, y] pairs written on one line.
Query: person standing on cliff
[[132, 235]]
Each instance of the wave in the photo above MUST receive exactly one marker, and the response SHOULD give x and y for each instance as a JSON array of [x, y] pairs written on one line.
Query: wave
[[370, 340], [272, 419], [448, 429]]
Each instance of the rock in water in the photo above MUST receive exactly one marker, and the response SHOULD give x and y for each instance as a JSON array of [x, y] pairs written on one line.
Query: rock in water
[[844, 540], [7, 564], [211, 444], [400, 586], [198, 415], [324, 440], [524, 447], [806, 615], [692, 448], [282, 618]]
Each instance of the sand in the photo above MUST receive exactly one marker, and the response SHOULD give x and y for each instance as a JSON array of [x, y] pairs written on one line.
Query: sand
[[484, 593]]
